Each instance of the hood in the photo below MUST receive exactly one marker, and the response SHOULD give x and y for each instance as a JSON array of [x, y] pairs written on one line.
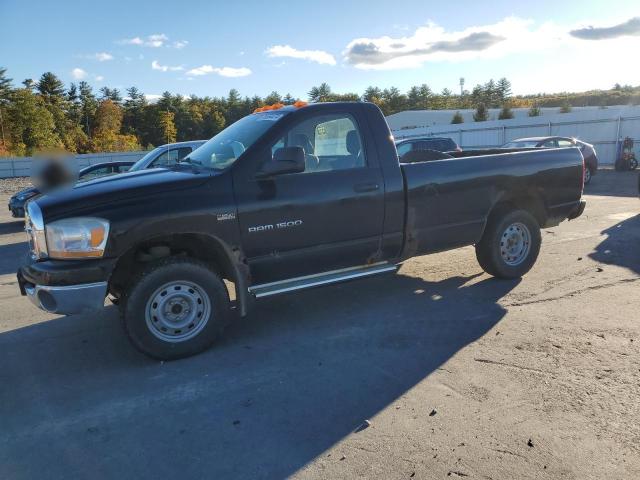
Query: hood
[[27, 191], [114, 188]]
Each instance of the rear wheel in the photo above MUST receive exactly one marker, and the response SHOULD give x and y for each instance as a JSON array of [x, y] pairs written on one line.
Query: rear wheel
[[510, 244], [587, 175], [175, 308]]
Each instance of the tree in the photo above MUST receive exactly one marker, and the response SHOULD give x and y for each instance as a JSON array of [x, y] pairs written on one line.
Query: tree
[[106, 135], [505, 113], [288, 99], [481, 114], [31, 126], [565, 107], [88, 106], [457, 118], [167, 126], [272, 98], [534, 111], [503, 88], [50, 87], [320, 93], [5, 93]]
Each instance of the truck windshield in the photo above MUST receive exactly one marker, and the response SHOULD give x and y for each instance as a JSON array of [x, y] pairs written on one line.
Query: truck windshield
[[142, 163], [222, 150]]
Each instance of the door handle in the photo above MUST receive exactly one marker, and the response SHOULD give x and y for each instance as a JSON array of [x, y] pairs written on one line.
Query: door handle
[[366, 187]]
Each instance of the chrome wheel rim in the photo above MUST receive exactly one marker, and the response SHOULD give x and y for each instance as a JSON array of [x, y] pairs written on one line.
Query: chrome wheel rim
[[515, 244], [587, 175], [177, 311]]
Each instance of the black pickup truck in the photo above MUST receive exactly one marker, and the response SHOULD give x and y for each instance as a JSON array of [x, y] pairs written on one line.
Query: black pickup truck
[[284, 199]]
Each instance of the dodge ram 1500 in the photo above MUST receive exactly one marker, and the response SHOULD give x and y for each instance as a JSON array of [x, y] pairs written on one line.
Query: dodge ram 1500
[[287, 198]]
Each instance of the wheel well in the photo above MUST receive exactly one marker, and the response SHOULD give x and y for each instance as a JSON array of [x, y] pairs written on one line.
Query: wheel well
[[200, 246], [530, 203]]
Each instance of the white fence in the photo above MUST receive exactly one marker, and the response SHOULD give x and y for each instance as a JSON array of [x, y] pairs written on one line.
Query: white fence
[[599, 128], [21, 166]]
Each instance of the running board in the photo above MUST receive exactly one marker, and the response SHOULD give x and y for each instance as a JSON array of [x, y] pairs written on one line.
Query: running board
[[326, 278]]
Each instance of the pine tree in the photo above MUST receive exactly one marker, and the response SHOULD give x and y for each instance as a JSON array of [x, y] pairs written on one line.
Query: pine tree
[[273, 98], [457, 118], [566, 107], [320, 93], [5, 93], [534, 111], [505, 113], [503, 89], [288, 99], [50, 87], [481, 114], [88, 106]]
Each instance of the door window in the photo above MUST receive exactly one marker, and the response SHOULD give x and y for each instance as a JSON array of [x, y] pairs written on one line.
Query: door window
[[330, 142], [565, 144], [170, 157], [97, 172], [404, 148]]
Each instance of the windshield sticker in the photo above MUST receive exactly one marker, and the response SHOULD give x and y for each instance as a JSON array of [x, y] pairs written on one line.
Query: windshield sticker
[[269, 117]]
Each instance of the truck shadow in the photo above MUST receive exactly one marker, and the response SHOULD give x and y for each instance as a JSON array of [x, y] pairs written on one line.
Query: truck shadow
[[12, 255], [299, 375], [13, 226], [622, 245]]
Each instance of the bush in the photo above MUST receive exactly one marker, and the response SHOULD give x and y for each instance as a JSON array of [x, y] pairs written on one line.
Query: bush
[[457, 118], [481, 114], [505, 113]]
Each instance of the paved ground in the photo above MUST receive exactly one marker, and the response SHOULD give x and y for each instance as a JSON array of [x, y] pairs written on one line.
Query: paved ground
[[459, 375]]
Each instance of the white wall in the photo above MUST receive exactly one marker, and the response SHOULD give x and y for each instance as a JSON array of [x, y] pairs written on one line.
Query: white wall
[[600, 127], [21, 166]]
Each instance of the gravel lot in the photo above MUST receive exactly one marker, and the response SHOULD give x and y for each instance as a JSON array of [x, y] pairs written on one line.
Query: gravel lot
[[437, 372]]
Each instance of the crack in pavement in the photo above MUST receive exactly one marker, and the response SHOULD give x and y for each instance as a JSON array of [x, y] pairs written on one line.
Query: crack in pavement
[[570, 294]]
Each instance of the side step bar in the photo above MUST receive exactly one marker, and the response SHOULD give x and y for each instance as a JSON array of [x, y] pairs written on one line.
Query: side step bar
[[326, 278]]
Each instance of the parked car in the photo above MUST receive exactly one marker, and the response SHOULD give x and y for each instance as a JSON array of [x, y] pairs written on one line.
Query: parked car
[[166, 155], [284, 199], [439, 144], [588, 151], [17, 201]]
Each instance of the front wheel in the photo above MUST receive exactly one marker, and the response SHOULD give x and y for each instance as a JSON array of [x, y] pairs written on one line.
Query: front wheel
[[510, 244], [175, 308], [633, 163]]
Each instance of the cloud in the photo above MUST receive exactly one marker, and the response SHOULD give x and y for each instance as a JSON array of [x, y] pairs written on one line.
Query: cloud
[[222, 71], [180, 44], [431, 42], [630, 27], [152, 97], [99, 78], [318, 56], [102, 56], [78, 73], [165, 68], [155, 41]]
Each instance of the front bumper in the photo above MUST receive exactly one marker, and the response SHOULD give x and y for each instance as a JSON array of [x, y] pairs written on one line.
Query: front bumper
[[66, 287], [67, 300]]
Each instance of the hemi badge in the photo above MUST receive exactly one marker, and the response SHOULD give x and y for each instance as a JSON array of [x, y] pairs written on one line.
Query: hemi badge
[[226, 216]]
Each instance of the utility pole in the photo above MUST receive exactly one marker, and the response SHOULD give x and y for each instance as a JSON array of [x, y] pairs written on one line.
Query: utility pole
[[461, 87]]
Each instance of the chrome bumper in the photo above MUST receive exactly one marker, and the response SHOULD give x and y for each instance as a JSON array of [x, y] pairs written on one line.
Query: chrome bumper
[[68, 300]]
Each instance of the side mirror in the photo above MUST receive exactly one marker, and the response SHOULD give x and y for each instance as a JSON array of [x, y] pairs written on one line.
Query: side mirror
[[285, 160]]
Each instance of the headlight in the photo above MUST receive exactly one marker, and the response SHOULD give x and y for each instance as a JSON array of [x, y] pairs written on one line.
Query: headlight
[[81, 237]]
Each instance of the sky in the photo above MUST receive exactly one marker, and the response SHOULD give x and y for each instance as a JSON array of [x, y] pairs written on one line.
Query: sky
[[207, 48]]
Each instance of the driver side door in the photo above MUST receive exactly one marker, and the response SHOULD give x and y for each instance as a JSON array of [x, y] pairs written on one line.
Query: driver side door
[[328, 217]]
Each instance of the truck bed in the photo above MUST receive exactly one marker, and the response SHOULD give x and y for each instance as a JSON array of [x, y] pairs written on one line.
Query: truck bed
[[448, 201]]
